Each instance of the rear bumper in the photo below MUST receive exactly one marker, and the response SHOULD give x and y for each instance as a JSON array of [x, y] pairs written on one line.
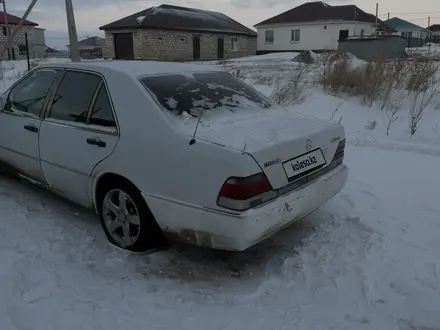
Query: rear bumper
[[221, 230]]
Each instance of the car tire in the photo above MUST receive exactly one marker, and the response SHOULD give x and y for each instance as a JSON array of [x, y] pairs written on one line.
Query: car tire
[[119, 224]]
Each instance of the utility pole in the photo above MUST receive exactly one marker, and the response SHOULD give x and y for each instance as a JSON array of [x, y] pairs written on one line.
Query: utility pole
[[377, 14], [429, 35], [73, 38], [6, 24], [388, 16], [17, 29]]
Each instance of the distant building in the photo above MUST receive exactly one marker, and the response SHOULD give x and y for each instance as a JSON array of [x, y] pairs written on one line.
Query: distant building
[[415, 35], [435, 32], [177, 33], [36, 39], [91, 48], [315, 26]]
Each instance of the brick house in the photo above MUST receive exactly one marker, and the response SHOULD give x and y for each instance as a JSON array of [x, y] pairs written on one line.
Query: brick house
[[18, 50], [178, 34]]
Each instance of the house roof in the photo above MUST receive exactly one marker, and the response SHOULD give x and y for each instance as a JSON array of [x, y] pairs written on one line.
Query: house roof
[[400, 24], [168, 17], [91, 42], [13, 20], [320, 11], [434, 28]]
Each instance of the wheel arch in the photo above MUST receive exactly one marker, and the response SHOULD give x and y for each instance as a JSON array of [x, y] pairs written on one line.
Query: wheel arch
[[103, 180]]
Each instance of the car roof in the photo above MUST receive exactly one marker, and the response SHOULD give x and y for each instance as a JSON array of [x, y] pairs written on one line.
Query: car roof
[[134, 68]]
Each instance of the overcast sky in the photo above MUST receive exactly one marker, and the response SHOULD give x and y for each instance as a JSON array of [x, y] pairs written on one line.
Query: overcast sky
[[91, 14]]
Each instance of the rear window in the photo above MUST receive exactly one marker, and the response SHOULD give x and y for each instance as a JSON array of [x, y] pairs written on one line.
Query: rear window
[[211, 91]]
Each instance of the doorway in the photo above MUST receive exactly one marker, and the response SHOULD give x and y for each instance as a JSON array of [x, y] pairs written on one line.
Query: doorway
[[123, 46], [343, 34], [220, 48], [196, 47]]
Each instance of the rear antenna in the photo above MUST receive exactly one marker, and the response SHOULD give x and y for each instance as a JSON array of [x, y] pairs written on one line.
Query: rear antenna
[[193, 140]]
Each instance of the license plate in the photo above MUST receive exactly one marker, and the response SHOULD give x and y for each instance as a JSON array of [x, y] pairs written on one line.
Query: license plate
[[304, 163]]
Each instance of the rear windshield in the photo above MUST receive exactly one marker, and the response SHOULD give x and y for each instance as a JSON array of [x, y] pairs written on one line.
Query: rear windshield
[[203, 91]]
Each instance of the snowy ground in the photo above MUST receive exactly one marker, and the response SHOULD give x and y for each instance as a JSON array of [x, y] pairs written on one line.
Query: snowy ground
[[369, 259]]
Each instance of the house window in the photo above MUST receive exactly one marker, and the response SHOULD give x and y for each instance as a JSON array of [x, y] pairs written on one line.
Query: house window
[[235, 47], [4, 30], [295, 35], [269, 36], [22, 49]]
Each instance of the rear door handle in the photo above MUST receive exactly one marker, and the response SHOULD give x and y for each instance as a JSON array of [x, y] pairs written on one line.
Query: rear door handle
[[31, 128], [96, 142]]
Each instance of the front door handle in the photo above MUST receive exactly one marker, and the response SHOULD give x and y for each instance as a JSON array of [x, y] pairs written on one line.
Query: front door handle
[[31, 128], [96, 142]]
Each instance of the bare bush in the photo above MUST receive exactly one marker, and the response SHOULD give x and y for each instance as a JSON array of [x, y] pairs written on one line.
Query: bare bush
[[423, 88], [394, 77], [34, 63], [392, 118], [365, 81], [323, 67], [371, 125], [421, 75], [290, 90], [239, 74], [263, 77]]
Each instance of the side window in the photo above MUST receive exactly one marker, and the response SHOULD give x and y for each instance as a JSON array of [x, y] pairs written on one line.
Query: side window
[[73, 97], [29, 94], [102, 114]]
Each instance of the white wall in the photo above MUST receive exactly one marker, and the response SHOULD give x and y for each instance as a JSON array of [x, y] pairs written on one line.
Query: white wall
[[416, 33], [314, 36]]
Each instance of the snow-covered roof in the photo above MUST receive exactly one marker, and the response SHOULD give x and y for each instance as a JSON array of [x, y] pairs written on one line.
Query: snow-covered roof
[[169, 17], [318, 11]]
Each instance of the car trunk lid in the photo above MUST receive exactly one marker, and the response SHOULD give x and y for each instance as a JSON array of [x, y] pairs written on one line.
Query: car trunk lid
[[286, 145]]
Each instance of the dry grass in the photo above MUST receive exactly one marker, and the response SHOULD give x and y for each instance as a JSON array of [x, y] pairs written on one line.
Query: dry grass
[[291, 89], [381, 80]]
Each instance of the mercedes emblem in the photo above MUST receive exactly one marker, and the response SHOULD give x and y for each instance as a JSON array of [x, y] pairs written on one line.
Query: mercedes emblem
[[308, 144]]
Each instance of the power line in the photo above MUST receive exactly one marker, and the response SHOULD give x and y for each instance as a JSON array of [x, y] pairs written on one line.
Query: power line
[[413, 13], [117, 5]]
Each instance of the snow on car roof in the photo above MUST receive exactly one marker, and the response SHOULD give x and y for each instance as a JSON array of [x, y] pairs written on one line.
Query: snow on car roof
[[134, 67]]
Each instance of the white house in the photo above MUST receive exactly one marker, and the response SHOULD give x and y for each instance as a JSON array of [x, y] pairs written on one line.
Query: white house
[[314, 26]]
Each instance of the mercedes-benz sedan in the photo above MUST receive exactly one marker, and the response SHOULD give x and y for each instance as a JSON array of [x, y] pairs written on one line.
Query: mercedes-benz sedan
[[169, 150]]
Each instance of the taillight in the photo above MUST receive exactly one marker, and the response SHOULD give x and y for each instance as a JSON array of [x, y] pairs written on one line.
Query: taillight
[[244, 193], [339, 154]]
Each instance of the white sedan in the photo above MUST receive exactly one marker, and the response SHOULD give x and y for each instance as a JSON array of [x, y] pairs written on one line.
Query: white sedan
[[169, 150]]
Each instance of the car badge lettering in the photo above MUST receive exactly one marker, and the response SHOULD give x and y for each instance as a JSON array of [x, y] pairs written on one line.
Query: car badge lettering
[[272, 162]]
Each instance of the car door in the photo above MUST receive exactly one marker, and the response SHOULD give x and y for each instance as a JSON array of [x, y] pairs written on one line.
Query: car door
[[20, 122], [79, 131]]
